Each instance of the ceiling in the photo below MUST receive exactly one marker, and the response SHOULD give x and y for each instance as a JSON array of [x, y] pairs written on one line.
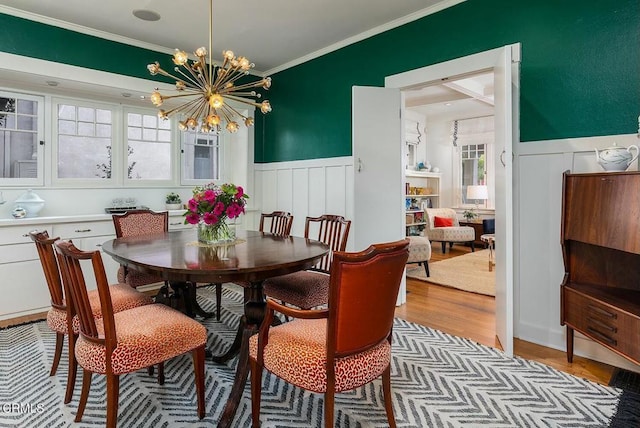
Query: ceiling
[[273, 34]]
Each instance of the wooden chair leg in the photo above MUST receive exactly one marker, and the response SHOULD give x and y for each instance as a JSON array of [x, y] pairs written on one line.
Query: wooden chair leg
[[444, 247], [113, 391], [256, 392], [329, 399], [426, 268], [472, 247], [161, 373], [73, 369], [151, 370], [198, 367], [388, 400], [86, 385], [57, 353], [218, 300]]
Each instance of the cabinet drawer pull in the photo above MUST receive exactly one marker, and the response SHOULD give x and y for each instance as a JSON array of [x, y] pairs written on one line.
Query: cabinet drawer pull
[[98, 245], [602, 325], [602, 337], [601, 311], [82, 230], [175, 224]]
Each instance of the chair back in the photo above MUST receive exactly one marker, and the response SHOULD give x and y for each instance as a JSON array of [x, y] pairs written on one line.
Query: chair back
[[362, 296], [140, 222], [332, 230], [280, 222], [69, 258], [44, 245]]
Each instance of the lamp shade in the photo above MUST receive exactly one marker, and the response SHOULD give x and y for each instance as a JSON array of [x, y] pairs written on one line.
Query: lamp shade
[[477, 193]]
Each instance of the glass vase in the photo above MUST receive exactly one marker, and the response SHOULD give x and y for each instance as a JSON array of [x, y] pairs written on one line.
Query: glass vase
[[223, 231]]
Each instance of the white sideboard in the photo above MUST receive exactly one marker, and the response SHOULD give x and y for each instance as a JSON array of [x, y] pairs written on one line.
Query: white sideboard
[[23, 288]]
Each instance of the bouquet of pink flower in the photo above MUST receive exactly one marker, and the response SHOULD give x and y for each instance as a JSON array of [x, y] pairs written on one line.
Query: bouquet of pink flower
[[212, 204]]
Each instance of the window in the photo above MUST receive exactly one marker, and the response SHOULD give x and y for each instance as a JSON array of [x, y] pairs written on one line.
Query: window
[[84, 136], [148, 147], [201, 156], [473, 140], [21, 126]]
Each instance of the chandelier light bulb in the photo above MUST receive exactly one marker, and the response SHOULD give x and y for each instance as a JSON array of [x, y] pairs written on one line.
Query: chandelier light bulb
[[216, 101], [232, 127], [180, 57], [265, 107], [213, 120], [156, 98]]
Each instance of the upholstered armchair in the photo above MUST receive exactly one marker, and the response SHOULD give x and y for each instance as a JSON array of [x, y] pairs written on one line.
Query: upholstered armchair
[[443, 226]]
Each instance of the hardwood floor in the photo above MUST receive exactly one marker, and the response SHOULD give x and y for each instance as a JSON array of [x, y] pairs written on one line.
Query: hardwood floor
[[472, 316]]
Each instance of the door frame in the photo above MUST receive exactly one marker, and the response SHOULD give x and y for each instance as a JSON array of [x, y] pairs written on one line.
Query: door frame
[[456, 69]]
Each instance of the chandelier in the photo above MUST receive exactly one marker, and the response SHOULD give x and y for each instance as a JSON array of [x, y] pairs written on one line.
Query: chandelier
[[208, 88]]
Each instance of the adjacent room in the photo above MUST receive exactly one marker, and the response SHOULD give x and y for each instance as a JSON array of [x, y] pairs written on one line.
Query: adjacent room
[[364, 213]]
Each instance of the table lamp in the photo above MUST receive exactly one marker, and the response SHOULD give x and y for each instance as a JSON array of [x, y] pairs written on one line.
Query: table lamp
[[477, 193]]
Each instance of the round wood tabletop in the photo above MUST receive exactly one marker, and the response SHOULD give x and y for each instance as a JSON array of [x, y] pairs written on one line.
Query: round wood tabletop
[[177, 256]]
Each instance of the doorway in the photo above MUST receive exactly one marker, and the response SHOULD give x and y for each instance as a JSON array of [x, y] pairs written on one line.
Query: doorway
[[504, 63]]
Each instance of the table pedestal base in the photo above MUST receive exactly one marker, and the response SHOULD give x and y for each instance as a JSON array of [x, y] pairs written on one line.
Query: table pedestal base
[[182, 297]]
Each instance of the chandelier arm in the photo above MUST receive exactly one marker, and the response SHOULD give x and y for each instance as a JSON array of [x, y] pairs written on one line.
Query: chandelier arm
[[235, 111], [257, 84], [244, 100], [182, 107], [225, 114], [195, 82], [168, 97], [200, 109], [166, 74], [230, 74]]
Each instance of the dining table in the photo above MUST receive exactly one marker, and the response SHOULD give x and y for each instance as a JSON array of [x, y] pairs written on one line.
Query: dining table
[[254, 256]]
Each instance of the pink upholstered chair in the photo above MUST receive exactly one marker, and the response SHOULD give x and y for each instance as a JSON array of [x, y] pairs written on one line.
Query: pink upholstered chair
[[58, 317], [126, 341], [309, 289], [344, 346], [139, 223]]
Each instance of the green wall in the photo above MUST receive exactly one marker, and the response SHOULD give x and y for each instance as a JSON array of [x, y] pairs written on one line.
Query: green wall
[[580, 70]]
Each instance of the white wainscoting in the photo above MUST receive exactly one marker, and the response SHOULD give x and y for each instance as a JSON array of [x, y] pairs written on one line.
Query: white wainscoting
[[305, 188], [538, 255]]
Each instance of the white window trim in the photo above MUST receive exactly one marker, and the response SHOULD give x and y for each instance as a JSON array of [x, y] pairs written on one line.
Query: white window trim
[[457, 177]]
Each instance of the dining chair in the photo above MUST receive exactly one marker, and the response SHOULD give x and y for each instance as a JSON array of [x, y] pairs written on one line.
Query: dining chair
[[59, 318], [343, 346], [125, 341], [279, 223], [309, 289], [139, 223]]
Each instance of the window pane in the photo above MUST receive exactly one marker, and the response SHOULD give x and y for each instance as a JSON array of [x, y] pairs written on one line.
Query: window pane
[[84, 146], [164, 135], [149, 161], [66, 112], [19, 137], [201, 156], [103, 130], [134, 119], [28, 123], [103, 116], [149, 157], [86, 114], [86, 129]]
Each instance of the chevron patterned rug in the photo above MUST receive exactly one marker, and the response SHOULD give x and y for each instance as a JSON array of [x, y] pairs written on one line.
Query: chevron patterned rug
[[438, 380]]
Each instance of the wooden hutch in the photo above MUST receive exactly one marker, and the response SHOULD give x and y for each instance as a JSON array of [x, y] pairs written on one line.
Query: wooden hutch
[[601, 251]]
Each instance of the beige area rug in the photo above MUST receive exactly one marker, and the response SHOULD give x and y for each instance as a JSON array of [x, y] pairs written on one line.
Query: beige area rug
[[469, 272]]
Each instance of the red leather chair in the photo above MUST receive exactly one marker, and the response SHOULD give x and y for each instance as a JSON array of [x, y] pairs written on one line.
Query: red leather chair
[[344, 346]]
